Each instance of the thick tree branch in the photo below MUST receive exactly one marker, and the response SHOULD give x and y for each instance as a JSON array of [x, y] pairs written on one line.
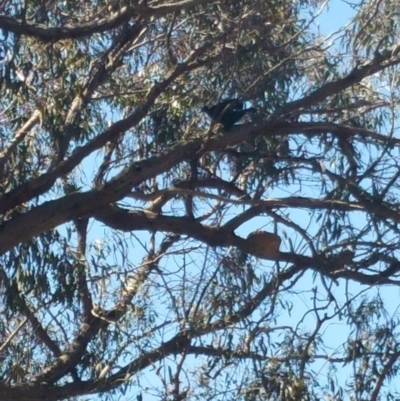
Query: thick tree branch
[[38, 186], [69, 358], [80, 268], [377, 64], [385, 372], [221, 237], [19, 136], [29, 392], [97, 25]]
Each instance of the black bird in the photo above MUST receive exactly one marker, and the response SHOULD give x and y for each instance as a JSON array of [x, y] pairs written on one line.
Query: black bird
[[227, 113]]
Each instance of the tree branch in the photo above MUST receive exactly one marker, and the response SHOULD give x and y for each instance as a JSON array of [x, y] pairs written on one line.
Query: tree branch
[[96, 25]]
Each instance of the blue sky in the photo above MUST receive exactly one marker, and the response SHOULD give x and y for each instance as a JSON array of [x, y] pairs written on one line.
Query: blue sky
[[335, 15]]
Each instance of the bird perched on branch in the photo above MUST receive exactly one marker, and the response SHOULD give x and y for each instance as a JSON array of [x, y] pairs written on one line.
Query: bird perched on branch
[[227, 113]]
